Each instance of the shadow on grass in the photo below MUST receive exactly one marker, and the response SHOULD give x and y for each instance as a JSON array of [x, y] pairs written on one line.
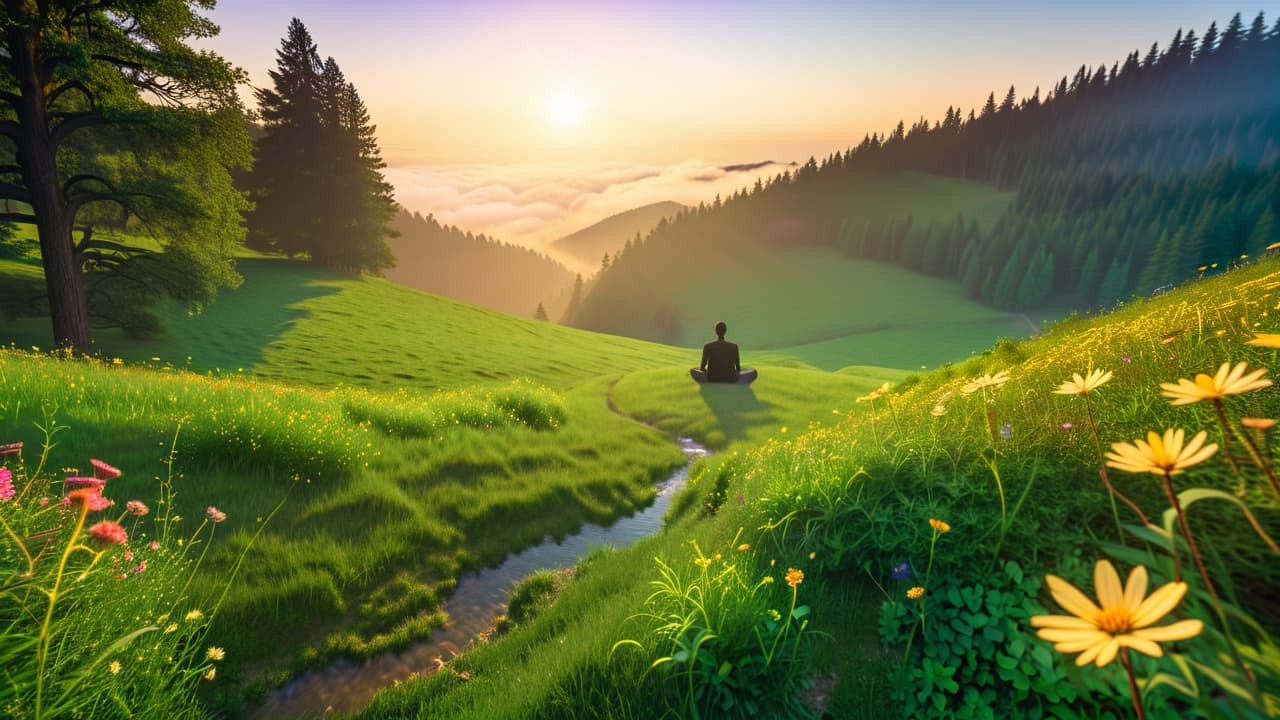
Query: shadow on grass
[[736, 408]]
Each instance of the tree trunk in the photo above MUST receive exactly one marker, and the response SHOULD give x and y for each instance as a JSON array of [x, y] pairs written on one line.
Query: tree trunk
[[36, 155]]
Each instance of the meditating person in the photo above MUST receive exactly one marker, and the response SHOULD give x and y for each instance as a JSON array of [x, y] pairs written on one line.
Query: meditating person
[[720, 363]]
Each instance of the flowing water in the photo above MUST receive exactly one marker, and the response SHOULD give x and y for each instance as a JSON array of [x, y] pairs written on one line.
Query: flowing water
[[476, 601]]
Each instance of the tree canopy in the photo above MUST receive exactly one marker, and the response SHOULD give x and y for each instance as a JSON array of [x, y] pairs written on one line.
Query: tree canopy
[[117, 129]]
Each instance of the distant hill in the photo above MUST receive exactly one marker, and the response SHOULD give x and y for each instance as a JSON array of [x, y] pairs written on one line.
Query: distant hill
[[1121, 179], [445, 260], [609, 235]]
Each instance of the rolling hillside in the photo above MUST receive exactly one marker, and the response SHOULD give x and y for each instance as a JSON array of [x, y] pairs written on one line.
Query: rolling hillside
[[476, 269], [588, 245]]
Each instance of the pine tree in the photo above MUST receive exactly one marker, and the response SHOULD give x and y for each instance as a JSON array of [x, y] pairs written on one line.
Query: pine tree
[[575, 303], [540, 313], [1265, 232]]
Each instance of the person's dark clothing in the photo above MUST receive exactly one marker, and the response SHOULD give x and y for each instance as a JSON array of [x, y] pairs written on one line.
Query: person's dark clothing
[[720, 361]]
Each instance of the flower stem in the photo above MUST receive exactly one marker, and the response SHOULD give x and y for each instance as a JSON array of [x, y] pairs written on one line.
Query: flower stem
[[1258, 460], [1106, 481], [42, 646], [1226, 430], [1191, 542], [1133, 684]]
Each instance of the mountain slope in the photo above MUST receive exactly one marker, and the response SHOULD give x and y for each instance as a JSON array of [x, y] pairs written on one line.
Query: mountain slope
[[475, 268], [589, 244]]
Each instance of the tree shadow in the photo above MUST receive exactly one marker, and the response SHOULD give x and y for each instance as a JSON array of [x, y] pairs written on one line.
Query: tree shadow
[[736, 408]]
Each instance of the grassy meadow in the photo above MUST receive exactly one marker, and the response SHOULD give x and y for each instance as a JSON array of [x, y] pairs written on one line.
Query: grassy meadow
[[907, 615]]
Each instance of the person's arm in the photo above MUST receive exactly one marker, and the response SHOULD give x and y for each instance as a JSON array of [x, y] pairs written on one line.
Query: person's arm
[[737, 364], [703, 366]]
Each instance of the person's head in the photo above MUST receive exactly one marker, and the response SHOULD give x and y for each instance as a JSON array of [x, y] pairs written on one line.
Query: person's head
[[721, 328]]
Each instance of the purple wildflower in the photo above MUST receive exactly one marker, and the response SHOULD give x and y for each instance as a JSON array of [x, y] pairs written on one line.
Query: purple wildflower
[[901, 571]]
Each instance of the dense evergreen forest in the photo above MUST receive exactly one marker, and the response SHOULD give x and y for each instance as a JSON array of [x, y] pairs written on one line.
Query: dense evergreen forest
[[1128, 177], [475, 268]]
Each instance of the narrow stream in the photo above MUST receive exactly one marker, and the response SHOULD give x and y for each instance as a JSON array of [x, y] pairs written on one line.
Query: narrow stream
[[476, 601]]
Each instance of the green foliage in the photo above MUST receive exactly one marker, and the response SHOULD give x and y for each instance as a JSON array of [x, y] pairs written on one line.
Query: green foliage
[[101, 617], [732, 646], [531, 597], [977, 656]]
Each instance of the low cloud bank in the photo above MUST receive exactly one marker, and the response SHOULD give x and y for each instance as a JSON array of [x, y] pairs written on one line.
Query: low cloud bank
[[533, 205]]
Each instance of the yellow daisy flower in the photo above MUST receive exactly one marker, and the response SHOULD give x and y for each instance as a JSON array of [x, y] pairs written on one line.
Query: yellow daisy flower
[[1271, 340], [985, 381], [794, 577], [939, 525], [1078, 385], [1122, 618], [1227, 381], [915, 593], [215, 653], [1161, 455]]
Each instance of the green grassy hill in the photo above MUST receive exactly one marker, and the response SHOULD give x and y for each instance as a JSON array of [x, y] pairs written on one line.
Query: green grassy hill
[[777, 284], [413, 436], [1011, 468]]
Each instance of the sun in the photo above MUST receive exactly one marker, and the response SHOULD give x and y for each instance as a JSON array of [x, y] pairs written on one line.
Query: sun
[[563, 110]]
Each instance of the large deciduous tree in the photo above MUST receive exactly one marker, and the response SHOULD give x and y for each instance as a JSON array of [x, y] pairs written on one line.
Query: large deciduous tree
[[112, 120]]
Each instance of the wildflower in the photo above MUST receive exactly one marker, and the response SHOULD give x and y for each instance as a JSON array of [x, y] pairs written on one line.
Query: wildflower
[[901, 571], [744, 547], [938, 410], [215, 653], [90, 497], [1122, 617], [6, 484], [1227, 381], [767, 579], [114, 667], [11, 448], [740, 499], [142, 565], [1078, 385], [794, 577], [1161, 455], [128, 556], [915, 593], [939, 525], [215, 514], [103, 471], [1169, 338], [1067, 426], [171, 627], [1006, 432], [777, 616], [109, 533], [986, 381], [153, 545], [1271, 340], [702, 562], [71, 482], [1258, 423], [211, 674], [137, 508], [194, 615], [1126, 359], [812, 555]]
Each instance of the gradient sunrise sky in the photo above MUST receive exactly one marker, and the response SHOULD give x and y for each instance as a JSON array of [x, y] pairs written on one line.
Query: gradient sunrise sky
[[478, 81]]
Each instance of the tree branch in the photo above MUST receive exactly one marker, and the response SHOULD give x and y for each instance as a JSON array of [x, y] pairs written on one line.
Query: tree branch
[[53, 96], [9, 191], [11, 130], [84, 177], [19, 217], [10, 169], [74, 122]]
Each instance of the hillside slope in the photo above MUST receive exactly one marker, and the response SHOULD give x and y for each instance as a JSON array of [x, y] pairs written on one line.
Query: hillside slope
[[589, 244], [476, 269]]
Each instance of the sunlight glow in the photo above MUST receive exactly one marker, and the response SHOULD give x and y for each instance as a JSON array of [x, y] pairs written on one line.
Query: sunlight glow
[[564, 110]]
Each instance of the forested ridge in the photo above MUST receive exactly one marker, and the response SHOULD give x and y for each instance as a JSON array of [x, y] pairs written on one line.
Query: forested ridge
[[1128, 177]]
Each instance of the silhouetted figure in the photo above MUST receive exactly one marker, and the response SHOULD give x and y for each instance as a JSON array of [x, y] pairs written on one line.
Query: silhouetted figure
[[720, 363]]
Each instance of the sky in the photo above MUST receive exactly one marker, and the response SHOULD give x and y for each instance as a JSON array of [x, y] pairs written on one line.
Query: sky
[[530, 119]]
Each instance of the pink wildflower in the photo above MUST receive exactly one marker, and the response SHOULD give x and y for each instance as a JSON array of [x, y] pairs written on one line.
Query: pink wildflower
[[74, 482], [102, 470], [91, 497], [153, 545], [6, 484], [1067, 426], [215, 514], [44, 501], [137, 508], [11, 448], [109, 532], [128, 556], [142, 565]]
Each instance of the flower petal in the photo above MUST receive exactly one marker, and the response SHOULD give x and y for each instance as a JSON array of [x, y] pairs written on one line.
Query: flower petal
[[1135, 589], [1159, 604], [1071, 599], [1062, 622], [1108, 652], [1106, 582], [1056, 635], [1167, 633], [1142, 645]]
